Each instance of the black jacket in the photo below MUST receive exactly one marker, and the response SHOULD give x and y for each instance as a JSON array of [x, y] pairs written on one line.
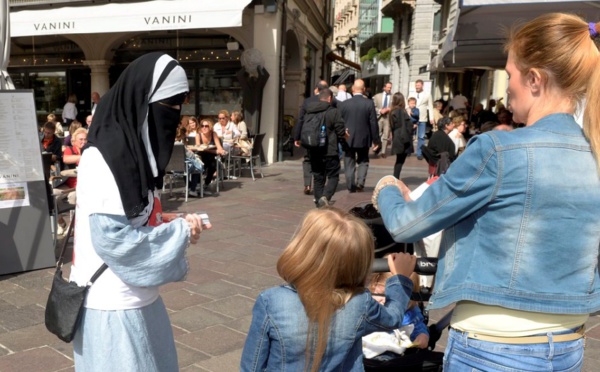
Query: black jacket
[[402, 128], [334, 125], [302, 114], [360, 118]]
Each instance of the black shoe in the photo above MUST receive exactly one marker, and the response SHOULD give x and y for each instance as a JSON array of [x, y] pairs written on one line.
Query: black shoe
[[306, 190], [420, 157], [360, 188]]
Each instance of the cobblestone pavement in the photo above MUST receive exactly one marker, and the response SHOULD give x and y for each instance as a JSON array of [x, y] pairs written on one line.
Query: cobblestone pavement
[[210, 310]]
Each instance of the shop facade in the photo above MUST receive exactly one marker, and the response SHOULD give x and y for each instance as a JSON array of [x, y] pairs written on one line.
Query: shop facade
[[84, 49]]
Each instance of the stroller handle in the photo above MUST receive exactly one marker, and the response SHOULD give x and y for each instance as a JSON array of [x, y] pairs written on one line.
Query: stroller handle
[[424, 265]]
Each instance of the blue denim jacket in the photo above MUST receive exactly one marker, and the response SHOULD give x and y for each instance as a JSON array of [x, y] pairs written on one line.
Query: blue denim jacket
[[520, 213], [277, 337]]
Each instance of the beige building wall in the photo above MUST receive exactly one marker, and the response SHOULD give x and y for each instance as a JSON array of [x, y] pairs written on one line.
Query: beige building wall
[[345, 28]]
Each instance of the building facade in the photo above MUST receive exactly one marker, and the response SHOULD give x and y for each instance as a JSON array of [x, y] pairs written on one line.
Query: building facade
[[64, 47]]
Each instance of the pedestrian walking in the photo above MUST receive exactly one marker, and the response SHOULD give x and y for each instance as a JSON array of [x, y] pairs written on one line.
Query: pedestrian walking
[[360, 119], [383, 101], [324, 158]]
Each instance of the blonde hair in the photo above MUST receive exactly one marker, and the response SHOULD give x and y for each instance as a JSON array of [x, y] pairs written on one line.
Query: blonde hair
[[72, 98], [74, 126], [328, 262], [79, 131], [560, 47], [209, 122], [458, 119], [51, 117], [224, 113], [192, 118], [237, 116]]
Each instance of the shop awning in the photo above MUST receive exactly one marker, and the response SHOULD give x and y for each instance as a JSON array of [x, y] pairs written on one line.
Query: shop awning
[[151, 15], [331, 56], [477, 35]]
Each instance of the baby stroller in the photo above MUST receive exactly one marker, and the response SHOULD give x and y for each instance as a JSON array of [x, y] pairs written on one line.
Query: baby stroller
[[417, 360]]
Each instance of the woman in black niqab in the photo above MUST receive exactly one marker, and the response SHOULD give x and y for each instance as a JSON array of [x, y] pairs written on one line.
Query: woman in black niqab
[[135, 124]]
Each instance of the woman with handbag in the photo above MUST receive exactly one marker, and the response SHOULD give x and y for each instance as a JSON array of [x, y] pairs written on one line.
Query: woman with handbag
[[124, 324], [401, 128]]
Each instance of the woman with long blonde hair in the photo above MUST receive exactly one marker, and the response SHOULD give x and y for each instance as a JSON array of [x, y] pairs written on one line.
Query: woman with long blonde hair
[[316, 321], [519, 210]]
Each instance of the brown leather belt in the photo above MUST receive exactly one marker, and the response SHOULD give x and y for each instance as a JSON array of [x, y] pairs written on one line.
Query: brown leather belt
[[529, 339]]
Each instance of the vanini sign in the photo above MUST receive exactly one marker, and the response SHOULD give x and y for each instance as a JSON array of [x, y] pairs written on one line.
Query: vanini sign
[[126, 17]]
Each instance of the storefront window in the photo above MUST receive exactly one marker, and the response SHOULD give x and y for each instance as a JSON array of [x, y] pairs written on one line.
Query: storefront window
[[49, 89]]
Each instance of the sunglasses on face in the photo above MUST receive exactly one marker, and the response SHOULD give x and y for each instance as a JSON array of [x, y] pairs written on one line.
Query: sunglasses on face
[[221, 118], [205, 126]]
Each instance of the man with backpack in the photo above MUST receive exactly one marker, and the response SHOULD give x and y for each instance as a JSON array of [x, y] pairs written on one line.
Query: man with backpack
[[320, 133]]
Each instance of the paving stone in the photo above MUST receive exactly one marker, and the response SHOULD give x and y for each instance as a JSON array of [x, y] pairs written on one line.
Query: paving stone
[[25, 297], [33, 281], [259, 259], [181, 299], [221, 289], [234, 306], [27, 338], [223, 255], [591, 359], [3, 350], [196, 317], [193, 368], [257, 280], [224, 363], [228, 268], [199, 276], [25, 316], [5, 306], [6, 285], [241, 324], [39, 360], [187, 356], [175, 286], [214, 341]]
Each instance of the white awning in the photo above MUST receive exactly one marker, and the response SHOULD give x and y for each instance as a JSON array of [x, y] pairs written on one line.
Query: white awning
[[153, 15], [476, 38]]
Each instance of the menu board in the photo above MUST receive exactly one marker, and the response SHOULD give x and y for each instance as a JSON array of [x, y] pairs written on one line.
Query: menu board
[[20, 160], [25, 232]]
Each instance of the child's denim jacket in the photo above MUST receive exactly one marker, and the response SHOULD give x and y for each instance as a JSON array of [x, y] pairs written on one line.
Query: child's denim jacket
[[277, 336]]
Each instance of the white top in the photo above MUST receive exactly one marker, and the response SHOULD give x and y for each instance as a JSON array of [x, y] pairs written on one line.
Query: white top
[[69, 112], [222, 132], [458, 102], [458, 139], [97, 192]]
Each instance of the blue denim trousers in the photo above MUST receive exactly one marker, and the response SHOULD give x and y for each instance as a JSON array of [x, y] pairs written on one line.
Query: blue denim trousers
[[421, 128], [467, 354]]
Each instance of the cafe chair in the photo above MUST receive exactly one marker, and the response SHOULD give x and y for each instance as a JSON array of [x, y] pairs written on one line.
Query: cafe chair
[[178, 167], [254, 155]]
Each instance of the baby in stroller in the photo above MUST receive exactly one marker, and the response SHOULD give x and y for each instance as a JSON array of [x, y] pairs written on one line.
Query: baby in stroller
[[405, 348]]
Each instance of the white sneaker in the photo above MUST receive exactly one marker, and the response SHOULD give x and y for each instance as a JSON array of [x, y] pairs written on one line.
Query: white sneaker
[[193, 193]]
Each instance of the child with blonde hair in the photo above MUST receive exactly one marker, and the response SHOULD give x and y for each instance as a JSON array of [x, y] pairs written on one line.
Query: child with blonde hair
[[316, 320]]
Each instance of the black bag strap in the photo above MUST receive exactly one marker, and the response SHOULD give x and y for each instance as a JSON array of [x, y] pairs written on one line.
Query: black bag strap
[[64, 248]]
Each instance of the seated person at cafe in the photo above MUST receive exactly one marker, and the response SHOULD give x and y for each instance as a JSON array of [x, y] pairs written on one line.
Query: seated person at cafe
[[72, 128], [193, 160], [59, 132], [72, 154], [226, 130], [237, 118], [50, 142], [209, 156], [192, 127]]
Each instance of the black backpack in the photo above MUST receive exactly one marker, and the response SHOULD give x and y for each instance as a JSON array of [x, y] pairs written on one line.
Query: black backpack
[[311, 131]]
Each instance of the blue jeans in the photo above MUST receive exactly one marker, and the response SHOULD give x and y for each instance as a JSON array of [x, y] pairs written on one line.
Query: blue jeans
[[421, 127], [467, 354]]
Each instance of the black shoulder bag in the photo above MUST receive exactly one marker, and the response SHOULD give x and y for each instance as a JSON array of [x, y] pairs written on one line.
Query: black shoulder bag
[[65, 302]]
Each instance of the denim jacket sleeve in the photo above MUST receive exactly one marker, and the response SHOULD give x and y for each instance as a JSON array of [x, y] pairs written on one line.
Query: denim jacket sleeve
[[256, 350], [389, 317], [418, 321], [146, 256], [470, 183]]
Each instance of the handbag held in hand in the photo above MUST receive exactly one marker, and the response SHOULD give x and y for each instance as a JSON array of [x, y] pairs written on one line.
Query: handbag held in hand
[[65, 302]]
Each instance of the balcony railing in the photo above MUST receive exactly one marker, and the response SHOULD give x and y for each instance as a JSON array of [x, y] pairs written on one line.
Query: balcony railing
[[375, 67]]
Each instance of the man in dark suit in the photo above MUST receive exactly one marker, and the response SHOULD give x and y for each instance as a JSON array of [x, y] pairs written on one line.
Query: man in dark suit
[[298, 128], [361, 123]]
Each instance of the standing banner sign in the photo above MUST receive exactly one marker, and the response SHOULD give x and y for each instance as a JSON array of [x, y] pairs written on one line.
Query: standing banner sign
[[25, 235]]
